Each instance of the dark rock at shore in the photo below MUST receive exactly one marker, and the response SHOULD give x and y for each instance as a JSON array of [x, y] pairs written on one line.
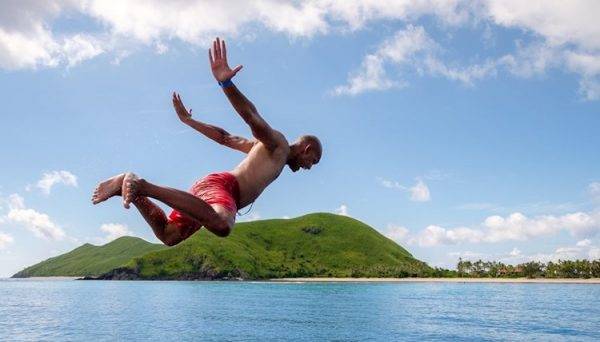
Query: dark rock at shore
[[125, 273]]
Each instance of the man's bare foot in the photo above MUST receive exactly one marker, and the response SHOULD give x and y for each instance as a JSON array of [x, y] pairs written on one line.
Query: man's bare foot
[[129, 188], [107, 189]]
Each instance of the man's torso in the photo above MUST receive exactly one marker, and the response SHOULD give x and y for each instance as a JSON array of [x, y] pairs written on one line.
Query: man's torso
[[259, 169]]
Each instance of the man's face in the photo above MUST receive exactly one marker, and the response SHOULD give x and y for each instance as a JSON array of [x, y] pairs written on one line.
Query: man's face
[[305, 160]]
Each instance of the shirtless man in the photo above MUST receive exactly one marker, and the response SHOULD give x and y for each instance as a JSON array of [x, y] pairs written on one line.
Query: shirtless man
[[213, 201]]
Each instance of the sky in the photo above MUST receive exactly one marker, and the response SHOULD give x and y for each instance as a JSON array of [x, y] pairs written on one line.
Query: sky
[[459, 129]]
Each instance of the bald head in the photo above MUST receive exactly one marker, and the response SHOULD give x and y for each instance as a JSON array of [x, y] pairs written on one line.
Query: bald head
[[307, 151], [313, 142]]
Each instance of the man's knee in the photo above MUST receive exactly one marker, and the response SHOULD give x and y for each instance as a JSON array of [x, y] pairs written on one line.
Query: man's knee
[[171, 236], [171, 240], [220, 227]]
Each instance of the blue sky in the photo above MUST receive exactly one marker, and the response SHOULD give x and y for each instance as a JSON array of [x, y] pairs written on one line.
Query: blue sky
[[459, 129]]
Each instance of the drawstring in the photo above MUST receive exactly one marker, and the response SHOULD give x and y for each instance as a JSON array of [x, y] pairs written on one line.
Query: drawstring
[[238, 213]]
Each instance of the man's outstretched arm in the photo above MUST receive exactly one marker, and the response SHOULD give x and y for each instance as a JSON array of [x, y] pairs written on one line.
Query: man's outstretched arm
[[223, 74], [213, 132]]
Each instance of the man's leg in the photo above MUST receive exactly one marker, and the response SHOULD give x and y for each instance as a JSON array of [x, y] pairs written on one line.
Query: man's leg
[[168, 233], [218, 222]]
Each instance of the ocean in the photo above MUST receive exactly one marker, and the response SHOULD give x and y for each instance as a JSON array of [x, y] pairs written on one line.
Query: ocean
[[71, 310]]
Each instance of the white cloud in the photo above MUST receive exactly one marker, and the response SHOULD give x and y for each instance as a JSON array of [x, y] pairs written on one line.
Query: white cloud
[[79, 48], [561, 34], [5, 240], [396, 233], [594, 190], [584, 243], [15, 201], [515, 256], [420, 192], [49, 179], [399, 49], [559, 22], [391, 184], [514, 227], [515, 252], [435, 235], [38, 223], [467, 255], [115, 230], [342, 210], [560, 40], [371, 76]]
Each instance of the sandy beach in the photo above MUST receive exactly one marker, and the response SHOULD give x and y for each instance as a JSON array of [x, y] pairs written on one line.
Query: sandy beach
[[446, 280]]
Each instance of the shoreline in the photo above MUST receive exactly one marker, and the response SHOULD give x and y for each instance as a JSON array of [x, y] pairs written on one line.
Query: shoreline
[[368, 280], [443, 280]]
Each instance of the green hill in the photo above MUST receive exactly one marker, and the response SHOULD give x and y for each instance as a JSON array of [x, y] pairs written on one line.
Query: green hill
[[90, 260], [314, 245]]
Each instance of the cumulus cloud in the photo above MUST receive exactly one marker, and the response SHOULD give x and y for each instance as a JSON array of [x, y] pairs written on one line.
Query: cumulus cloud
[[515, 256], [115, 230], [594, 190], [342, 210], [558, 34], [418, 192], [38, 223], [514, 227], [515, 252], [413, 47], [49, 179], [583, 243], [397, 233], [435, 235], [28, 38], [370, 76], [560, 40], [5, 240]]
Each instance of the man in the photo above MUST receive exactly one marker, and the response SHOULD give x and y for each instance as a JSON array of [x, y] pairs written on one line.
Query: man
[[213, 201]]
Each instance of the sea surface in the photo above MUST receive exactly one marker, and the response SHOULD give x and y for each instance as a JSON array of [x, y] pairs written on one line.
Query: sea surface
[[53, 310]]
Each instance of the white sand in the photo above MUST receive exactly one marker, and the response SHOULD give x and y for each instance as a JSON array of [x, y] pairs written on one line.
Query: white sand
[[445, 280]]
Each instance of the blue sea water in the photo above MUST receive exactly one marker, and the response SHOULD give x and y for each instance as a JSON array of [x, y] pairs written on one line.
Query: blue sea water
[[51, 310]]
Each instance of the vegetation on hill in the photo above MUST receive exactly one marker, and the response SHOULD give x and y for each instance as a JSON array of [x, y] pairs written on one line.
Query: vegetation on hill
[[314, 245], [90, 260]]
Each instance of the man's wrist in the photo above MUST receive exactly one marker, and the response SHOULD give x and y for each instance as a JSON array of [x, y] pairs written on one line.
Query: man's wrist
[[226, 84]]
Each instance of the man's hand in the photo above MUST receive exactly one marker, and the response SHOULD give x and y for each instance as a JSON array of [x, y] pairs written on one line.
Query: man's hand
[[218, 64], [182, 113]]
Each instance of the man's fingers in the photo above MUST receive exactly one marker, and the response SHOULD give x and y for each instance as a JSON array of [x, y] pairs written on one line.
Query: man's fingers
[[216, 50], [236, 69], [210, 57], [224, 50], [219, 48]]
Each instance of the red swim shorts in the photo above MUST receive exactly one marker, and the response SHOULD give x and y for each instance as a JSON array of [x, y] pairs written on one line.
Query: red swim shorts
[[217, 188]]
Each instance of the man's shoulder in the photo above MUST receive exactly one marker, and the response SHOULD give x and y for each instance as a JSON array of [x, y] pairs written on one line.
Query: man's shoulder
[[282, 143]]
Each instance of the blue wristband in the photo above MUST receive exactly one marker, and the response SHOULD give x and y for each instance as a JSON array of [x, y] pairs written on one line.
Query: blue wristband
[[226, 84]]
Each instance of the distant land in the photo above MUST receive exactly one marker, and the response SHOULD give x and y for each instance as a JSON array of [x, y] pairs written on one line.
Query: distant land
[[89, 260], [313, 245]]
